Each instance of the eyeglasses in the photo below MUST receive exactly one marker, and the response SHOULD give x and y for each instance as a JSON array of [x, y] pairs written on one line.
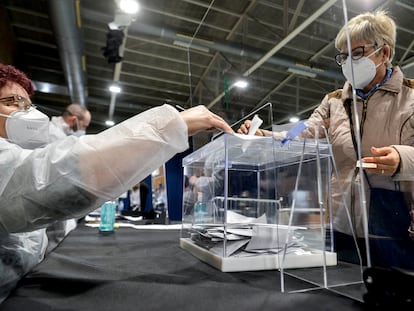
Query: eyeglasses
[[357, 53], [17, 101]]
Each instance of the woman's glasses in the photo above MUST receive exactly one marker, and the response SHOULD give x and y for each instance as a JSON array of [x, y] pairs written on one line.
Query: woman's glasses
[[18, 101], [357, 53]]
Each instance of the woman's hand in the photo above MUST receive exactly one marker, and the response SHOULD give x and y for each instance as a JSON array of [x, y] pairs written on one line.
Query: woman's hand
[[244, 129], [199, 119], [386, 158]]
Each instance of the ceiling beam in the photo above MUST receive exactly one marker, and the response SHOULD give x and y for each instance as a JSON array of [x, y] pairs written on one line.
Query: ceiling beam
[[281, 44]]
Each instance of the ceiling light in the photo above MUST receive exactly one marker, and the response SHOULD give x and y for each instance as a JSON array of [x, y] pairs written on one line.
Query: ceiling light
[[241, 84], [302, 72], [115, 89], [46, 87], [293, 119], [190, 46], [129, 6], [109, 123]]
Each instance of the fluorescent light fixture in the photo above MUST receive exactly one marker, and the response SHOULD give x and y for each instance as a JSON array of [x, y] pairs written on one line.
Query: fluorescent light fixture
[[293, 119], [190, 46], [115, 89], [129, 6], [302, 72], [46, 87], [109, 123], [241, 84]]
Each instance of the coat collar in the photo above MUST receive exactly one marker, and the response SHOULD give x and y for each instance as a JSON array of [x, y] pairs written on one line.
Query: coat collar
[[394, 84]]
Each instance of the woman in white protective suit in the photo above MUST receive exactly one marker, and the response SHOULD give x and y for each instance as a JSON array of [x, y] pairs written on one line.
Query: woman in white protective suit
[[41, 183]]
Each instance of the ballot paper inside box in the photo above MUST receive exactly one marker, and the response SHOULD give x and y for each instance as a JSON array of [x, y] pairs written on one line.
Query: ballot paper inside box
[[258, 205]]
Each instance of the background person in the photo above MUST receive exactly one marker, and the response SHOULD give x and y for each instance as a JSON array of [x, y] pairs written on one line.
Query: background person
[[138, 196], [45, 182], [385, 101], [74, 121]]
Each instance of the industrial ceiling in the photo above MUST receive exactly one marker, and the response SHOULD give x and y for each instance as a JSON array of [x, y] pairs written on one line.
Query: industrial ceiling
[[186, 52]]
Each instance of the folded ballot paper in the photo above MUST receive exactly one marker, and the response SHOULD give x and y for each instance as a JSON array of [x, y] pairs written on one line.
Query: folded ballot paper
[[247, 236]]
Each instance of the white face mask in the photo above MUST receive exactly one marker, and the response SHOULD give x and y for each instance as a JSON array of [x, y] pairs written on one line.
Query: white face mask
[[78, 132], [64, 126], [364, 70], [29, 129]]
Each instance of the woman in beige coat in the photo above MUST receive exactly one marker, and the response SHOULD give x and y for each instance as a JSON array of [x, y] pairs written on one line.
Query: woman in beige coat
[[385, 108]]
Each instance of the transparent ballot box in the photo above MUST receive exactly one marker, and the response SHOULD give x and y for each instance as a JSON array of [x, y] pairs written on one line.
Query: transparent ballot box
[[251, 203]]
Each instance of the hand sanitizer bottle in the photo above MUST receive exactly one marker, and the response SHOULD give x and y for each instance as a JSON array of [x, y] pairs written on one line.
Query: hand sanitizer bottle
[[107, 217], [200, 209]]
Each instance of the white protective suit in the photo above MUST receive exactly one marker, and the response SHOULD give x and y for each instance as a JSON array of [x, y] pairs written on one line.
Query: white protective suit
[[71, 177], [56, 232], [56, 126]]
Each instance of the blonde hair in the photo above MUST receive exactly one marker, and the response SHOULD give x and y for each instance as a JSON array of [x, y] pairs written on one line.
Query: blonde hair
[[374, 28]]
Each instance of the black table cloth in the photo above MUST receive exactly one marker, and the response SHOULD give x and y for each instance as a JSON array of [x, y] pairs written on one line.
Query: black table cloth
[[147, 270]]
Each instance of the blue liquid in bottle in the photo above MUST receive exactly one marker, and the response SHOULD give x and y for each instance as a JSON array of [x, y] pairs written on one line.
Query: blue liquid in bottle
[[200, 209], [107, 217]]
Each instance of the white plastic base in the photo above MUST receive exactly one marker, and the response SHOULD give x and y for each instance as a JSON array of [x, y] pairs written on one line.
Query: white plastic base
[[260, 262]]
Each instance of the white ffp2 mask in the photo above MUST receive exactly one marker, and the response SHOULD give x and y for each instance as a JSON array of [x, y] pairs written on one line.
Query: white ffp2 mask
[[29, 129], [364, 70]]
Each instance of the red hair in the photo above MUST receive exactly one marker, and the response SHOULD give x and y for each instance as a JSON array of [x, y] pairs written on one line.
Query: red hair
[[9, 73]]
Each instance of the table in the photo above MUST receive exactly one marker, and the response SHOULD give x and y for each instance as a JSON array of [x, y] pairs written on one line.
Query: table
[[147, 270]]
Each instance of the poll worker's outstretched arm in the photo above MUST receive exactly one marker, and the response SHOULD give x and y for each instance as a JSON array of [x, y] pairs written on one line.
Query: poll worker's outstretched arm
[[74, 176], [200, 119], [141, 145]]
